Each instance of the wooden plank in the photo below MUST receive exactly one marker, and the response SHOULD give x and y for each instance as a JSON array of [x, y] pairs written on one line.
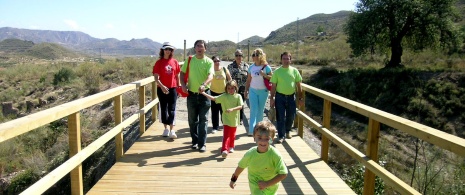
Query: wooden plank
[[159, 165]]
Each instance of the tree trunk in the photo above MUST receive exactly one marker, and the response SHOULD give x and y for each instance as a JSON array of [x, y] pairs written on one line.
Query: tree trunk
[[396, 54]]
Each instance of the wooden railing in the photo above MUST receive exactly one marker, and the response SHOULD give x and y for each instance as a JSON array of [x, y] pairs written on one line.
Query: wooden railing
[[376, 117], [72, 110]]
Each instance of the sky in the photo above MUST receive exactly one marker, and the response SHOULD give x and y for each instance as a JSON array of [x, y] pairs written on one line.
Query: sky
[[164, 20]]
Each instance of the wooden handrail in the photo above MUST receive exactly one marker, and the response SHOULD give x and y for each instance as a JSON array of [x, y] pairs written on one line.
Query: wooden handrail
[[71, 110], [376, 117]]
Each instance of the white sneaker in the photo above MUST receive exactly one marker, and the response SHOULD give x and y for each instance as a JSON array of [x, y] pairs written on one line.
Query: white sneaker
[[224, 154], [173, 134], [214, 131], [165, 133], [231, 150]]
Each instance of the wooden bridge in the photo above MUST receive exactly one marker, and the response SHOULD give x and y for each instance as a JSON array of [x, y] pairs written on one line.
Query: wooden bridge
[[158, 165]]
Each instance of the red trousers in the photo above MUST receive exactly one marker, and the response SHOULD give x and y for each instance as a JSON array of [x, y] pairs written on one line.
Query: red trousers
[[229, 136]]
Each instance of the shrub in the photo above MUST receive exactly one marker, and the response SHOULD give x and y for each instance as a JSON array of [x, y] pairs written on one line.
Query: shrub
[[63, 75], [22, 182]]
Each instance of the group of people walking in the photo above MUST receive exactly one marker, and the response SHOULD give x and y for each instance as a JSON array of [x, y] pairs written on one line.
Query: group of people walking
[[223, 90]]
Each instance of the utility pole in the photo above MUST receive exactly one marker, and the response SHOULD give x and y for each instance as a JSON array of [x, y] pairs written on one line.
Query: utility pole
[[297, 41]]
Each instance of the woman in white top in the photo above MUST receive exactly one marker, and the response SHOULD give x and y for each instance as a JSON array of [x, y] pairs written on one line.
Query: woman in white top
[[255, 89]]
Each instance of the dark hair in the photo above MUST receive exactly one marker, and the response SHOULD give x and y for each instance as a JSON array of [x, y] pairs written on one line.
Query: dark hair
[[161, 54], [213, 57], [286, 53], [201, 41]]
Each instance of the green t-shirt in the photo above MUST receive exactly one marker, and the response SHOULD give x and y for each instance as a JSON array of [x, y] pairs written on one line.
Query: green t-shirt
[[263, 167], [230, 101], [199, 69], [285, 78]]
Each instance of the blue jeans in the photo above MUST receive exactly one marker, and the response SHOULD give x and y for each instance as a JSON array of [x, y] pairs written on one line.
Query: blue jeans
[[197, 112], [257, 101], [285, 113]]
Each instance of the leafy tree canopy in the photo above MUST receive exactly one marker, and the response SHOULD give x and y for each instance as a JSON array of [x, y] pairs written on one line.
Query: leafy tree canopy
[[379, 25]]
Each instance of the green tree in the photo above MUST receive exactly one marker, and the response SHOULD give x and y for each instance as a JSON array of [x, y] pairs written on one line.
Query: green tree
[[395, 24]]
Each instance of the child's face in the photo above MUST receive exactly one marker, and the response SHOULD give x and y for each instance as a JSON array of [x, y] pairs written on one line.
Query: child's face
[[231, 90], [263, 141]]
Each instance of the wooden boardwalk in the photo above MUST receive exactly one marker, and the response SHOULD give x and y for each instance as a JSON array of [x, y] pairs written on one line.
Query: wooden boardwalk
[[158, 165]]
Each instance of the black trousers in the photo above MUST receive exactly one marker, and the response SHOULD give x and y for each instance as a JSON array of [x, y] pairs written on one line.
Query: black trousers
[[167, 105], [217, 112]]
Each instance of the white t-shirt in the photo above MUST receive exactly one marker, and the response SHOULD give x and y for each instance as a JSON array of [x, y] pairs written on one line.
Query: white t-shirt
[[257, 80]]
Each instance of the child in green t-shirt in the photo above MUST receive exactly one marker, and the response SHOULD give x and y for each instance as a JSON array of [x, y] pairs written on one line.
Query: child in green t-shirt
[[266, 167], [231, 103]]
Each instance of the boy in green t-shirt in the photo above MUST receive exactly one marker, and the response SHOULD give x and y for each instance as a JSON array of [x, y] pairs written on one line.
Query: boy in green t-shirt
[[265, 165], [231, 102]]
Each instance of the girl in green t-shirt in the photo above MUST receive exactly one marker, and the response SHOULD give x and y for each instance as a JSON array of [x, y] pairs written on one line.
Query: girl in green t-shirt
[[231, 103]]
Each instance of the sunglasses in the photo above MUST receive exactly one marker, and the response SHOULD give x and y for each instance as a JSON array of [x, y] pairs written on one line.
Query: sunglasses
[[254, 55], [238, 55], [216, 61], [169, 49]]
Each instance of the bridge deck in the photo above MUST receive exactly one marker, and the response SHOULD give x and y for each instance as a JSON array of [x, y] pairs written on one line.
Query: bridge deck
[[158, 165]]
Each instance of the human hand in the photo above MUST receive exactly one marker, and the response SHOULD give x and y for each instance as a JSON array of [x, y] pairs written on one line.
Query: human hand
[[201, 88], [165, 90], [229, 110], [246, 95], [232, 184], [262, 185], [184, 89], [262, 73]]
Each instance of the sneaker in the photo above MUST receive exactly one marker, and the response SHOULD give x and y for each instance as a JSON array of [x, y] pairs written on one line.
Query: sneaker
[[214, 131], [279, 140], [241, 123], [288, 135], [231, 150], [203, 149], [224, 154], [195, 146], [173, 134], [250, 134], [165, 133]]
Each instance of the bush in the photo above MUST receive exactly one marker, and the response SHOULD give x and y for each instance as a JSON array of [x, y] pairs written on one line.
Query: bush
[[63, 75], [22, 182]]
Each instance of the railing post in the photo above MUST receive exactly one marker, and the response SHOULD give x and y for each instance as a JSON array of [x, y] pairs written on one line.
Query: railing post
[[154, 96], [74, 138], [326, 124], [300, 121], [118, 106], [372, 153], [141, 105]]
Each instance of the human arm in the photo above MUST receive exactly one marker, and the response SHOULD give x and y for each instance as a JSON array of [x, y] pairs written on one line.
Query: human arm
[[228, 75], [208, 96], [183, 84], [264, 184], [206, 82], [233, 109], [247, 86], [299, 94], [234, 177], [272, 94], [162, 87]]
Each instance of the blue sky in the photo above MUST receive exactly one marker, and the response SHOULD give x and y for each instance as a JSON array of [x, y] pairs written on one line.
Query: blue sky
[[165, 20]]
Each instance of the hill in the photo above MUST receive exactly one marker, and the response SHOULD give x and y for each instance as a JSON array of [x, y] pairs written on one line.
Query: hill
[[14, 47], [83, 42]]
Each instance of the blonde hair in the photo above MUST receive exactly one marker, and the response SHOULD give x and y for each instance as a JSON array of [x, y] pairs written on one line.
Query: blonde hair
[[261, 56], [263, 127]]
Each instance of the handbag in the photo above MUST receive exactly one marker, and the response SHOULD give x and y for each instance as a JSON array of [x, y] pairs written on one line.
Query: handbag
[[266, 81], [186, 76]]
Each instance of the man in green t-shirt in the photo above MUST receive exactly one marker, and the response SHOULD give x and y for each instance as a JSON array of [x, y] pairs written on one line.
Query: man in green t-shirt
[[284, 81], [199, 78]]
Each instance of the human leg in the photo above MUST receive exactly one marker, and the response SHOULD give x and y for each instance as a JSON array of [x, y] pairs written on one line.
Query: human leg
[[253, 103], [280, 105], [193, 117], [290, 114], [262, 97], [163, 104], [215, 109], [203, 106]]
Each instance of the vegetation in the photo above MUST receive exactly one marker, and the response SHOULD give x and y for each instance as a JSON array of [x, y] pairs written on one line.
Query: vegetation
[[430, 90], [378, 25]]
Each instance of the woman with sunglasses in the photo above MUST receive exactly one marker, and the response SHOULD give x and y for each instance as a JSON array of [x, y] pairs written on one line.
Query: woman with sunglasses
[[166, 73], [255, 89], [218, 84]]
